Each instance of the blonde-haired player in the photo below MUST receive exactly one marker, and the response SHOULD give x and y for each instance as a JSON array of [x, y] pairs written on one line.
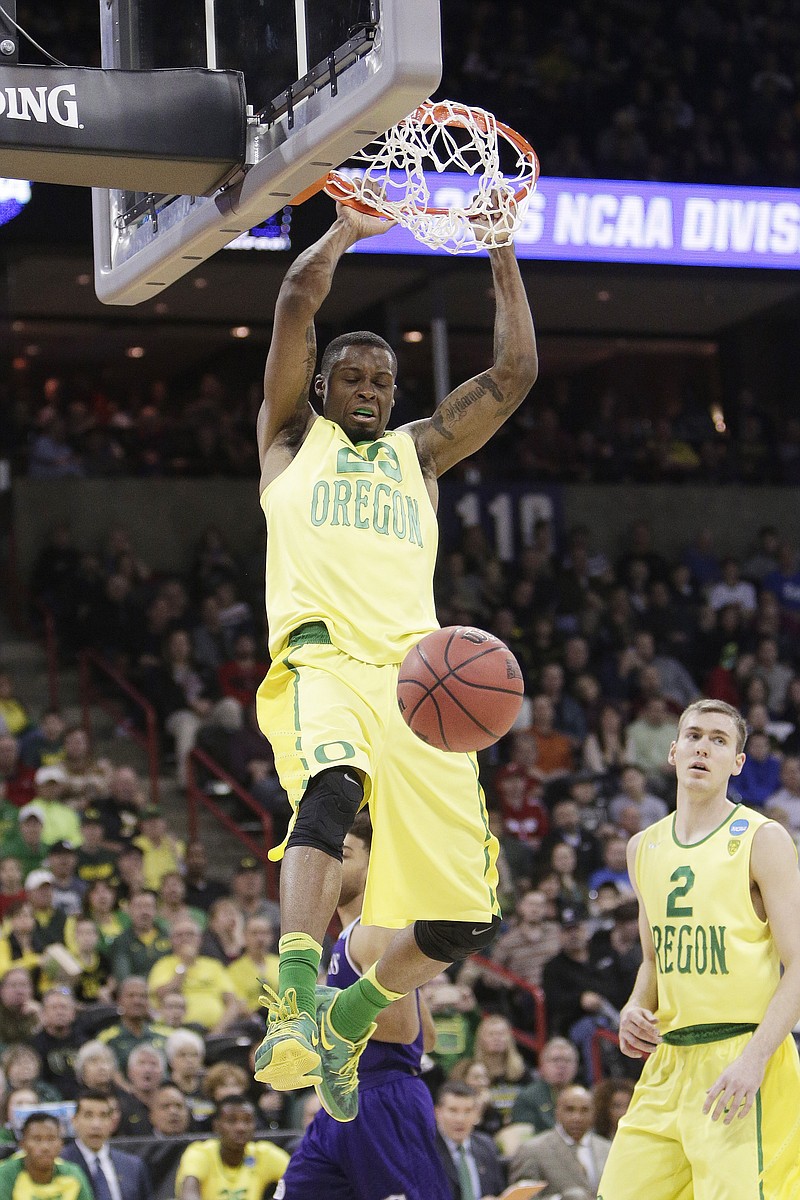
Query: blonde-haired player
[[716, 1113]]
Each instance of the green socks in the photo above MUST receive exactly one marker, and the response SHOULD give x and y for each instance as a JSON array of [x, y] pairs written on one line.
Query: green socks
[[298, 968], [356, 1008]]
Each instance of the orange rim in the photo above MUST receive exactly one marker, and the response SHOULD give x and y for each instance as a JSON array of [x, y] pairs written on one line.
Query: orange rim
[[460, 116]]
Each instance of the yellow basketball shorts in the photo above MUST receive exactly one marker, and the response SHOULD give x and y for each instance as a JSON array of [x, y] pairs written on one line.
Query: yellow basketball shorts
[[433, 856], [666, 1148]]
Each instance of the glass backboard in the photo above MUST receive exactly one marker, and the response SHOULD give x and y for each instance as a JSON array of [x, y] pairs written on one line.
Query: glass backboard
[[322, 77]]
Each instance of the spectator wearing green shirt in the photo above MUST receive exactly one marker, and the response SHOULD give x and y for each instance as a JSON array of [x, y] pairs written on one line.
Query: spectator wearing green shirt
[[135, 1025], [37, 1170], [25, 842], [455, 1017], [535, 1104], [61, 823], [139, 947]]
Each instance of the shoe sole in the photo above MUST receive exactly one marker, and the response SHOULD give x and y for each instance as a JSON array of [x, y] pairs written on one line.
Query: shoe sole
[[291, 1066]]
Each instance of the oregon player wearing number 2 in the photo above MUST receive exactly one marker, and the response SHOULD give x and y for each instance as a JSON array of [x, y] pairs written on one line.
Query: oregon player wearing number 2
[[716, 1113], [351, 549]]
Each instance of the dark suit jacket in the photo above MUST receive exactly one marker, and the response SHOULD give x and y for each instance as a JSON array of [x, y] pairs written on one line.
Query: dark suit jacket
[[132, 1174], [490, 1169]]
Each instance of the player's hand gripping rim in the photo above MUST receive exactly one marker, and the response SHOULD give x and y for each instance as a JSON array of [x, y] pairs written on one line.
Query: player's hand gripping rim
[[734, 1093], [638, 1032]]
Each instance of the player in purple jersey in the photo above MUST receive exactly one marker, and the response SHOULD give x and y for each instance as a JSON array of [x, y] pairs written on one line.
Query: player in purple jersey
[[389, 1151]]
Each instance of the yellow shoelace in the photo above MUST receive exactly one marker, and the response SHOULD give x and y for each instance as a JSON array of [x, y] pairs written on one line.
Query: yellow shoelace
[[280, 1008], [349, 1072]]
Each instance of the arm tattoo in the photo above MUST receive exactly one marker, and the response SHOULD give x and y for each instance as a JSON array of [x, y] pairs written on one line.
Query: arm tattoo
[[310, 363], [438, 424], [457, 406]]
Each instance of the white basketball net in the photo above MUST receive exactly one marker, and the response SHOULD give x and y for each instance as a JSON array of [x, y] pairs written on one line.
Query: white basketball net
[[389, 177]]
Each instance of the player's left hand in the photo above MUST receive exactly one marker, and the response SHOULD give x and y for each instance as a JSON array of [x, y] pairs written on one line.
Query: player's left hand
[[734, 1092], [492, 224], [362, 224]]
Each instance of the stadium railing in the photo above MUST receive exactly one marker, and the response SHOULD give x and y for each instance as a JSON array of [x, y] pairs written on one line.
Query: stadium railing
[[91, 664], [531, 1041], [198, 796]]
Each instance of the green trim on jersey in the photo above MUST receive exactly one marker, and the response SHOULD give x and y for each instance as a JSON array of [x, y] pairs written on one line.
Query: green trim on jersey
[[698, 1035], [691, 845]]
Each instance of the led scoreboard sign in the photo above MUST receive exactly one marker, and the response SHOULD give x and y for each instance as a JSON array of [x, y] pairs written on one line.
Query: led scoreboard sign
[[14, 195], [602, 220]]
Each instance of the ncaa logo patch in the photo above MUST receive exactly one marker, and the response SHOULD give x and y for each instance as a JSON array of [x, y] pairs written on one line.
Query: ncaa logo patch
[[737, 828]]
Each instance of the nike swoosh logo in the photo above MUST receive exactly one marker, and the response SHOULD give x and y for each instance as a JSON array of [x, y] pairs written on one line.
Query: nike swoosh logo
[[476, 932], [350, 778], [326, 1045]]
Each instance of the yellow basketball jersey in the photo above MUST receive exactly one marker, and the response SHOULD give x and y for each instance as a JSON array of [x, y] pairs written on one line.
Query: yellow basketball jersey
[[351, 541], [716, 960]]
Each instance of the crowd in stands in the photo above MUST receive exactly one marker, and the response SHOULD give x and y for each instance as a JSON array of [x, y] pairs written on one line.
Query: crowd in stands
[[71, 429], [637, 89], [130, 972]]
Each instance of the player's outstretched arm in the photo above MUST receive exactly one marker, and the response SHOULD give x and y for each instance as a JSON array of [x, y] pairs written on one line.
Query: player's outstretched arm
[[293, 350], [473, 412], [638, 1029], [773, 869]]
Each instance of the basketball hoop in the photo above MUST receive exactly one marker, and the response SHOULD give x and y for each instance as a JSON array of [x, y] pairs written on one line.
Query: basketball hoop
[[389, 179]]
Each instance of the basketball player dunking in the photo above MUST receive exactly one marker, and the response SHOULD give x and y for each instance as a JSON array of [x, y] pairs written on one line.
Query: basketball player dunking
[[390, 1148], [716, 1113], [351, 548]]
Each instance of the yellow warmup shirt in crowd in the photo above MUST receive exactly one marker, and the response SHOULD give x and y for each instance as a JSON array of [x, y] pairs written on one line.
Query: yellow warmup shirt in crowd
[[263, 1164], [61, 824], [715, 958], [203, 984], [159, 860], [110, 929], [245, 975], [14, 716], [351, 541], [29, 961], [68, 1182]]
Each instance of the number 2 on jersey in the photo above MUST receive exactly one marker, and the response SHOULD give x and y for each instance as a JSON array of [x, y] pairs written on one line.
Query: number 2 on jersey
[[686, 875]]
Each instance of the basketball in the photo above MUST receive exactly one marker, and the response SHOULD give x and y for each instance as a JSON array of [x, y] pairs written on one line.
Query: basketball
[[460, 689]]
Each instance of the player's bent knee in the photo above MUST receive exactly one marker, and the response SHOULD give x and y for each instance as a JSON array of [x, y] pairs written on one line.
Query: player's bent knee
[[327, 811], [450, 941]]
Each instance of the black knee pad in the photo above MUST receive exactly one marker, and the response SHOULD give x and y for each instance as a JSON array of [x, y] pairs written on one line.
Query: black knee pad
[[450, 941], [327, 811]]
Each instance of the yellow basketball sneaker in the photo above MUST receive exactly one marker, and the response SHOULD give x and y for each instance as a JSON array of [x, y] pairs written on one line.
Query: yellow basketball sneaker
[[288, 1057], [338, 1088]]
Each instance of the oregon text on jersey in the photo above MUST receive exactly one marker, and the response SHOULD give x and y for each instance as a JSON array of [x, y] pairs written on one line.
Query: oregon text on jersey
[[690, 950], [366, 505]]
